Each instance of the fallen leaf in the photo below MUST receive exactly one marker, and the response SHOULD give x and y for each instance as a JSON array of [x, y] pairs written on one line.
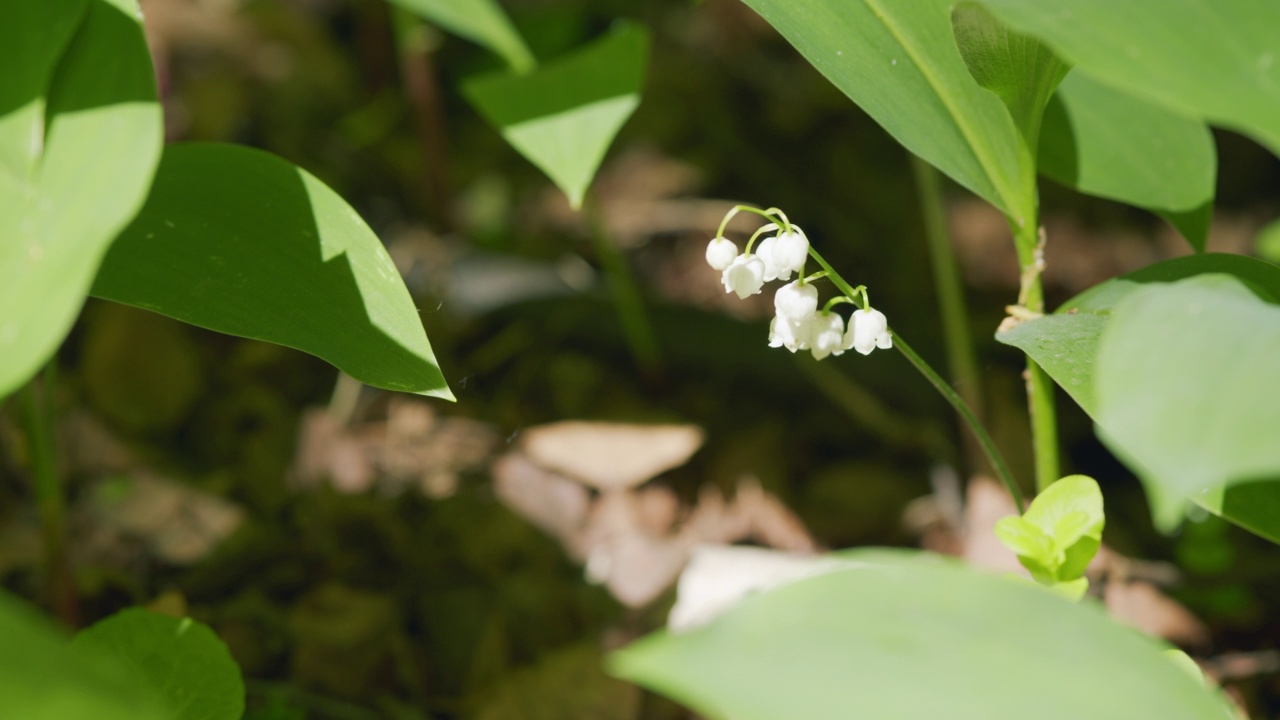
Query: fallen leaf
[[610, 455]]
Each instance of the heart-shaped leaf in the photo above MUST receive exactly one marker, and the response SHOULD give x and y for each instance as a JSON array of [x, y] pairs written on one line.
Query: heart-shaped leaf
[[242, 242], [564, 115]]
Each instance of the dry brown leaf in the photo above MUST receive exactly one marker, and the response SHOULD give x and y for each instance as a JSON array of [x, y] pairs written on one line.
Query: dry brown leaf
[[179, 524], [412, 448], [610, 456], [550, 502]]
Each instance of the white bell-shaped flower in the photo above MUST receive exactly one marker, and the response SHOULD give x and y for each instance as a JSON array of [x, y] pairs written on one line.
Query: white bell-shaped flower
[[790, 250], [868, 330], [827, 335], [764, 250], [721, 252], [792, 336], [794, 302], [744, 276]]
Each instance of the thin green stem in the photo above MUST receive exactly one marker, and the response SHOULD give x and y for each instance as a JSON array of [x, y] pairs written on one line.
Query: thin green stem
[[631, 311], [952, 309], [950, 395], [38, 410], [966, 413]]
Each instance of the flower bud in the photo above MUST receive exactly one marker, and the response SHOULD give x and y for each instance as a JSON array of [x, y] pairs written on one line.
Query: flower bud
[[721, 252]]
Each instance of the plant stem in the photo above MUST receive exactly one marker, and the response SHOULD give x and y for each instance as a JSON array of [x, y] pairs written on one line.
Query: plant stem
[[966, 413], [631, 311], [957, 336], [38, 409], [1040, 390], [950, 395]]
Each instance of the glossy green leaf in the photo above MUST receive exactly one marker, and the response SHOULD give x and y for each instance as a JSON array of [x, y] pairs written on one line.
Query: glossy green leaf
[[564, 115], [1110, 144], [1217, 343], [1067, 343], [481, 21], [859, 642], [43, 678], [899, 62], [181, 660], [1017, 68], [242, 242], [1254, 506], [100, 127], [1214, 60]]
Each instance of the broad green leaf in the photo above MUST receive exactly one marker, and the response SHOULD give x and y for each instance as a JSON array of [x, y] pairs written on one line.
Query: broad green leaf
[[564, 115], [481, 21], [1110, 144], [1017, 68], [242, 242], [101, 129], [33, 36], [1066, 346], [859, 642], [1186, 388], [1214, 60], [43, 678], [899, 62], [180, 660], [1254, 506]]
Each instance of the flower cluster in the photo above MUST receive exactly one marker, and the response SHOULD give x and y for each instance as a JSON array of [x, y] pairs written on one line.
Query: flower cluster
[[799, 324]]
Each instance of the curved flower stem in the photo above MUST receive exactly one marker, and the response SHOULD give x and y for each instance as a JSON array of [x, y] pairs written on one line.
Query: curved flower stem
[[948, 393], [984, 440]]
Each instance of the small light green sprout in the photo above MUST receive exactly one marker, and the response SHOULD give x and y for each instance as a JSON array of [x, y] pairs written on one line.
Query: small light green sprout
[[1059, 534]]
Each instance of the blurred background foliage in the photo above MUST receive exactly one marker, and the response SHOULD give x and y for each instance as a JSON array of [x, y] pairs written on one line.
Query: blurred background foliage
[[397, 599]]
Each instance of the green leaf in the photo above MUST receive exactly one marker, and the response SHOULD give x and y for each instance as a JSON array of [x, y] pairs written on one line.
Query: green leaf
[[1017, 68], [33, 36], [564, 115], [101, 129], [182, 661], [1032, 545], [1066, 346], [1214, 60], [1254, 506], [1069, 511], [1186, 388], [1110, 144], [481, 21], [899, 62], [242, 242], [42, 678], [856, 643]]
